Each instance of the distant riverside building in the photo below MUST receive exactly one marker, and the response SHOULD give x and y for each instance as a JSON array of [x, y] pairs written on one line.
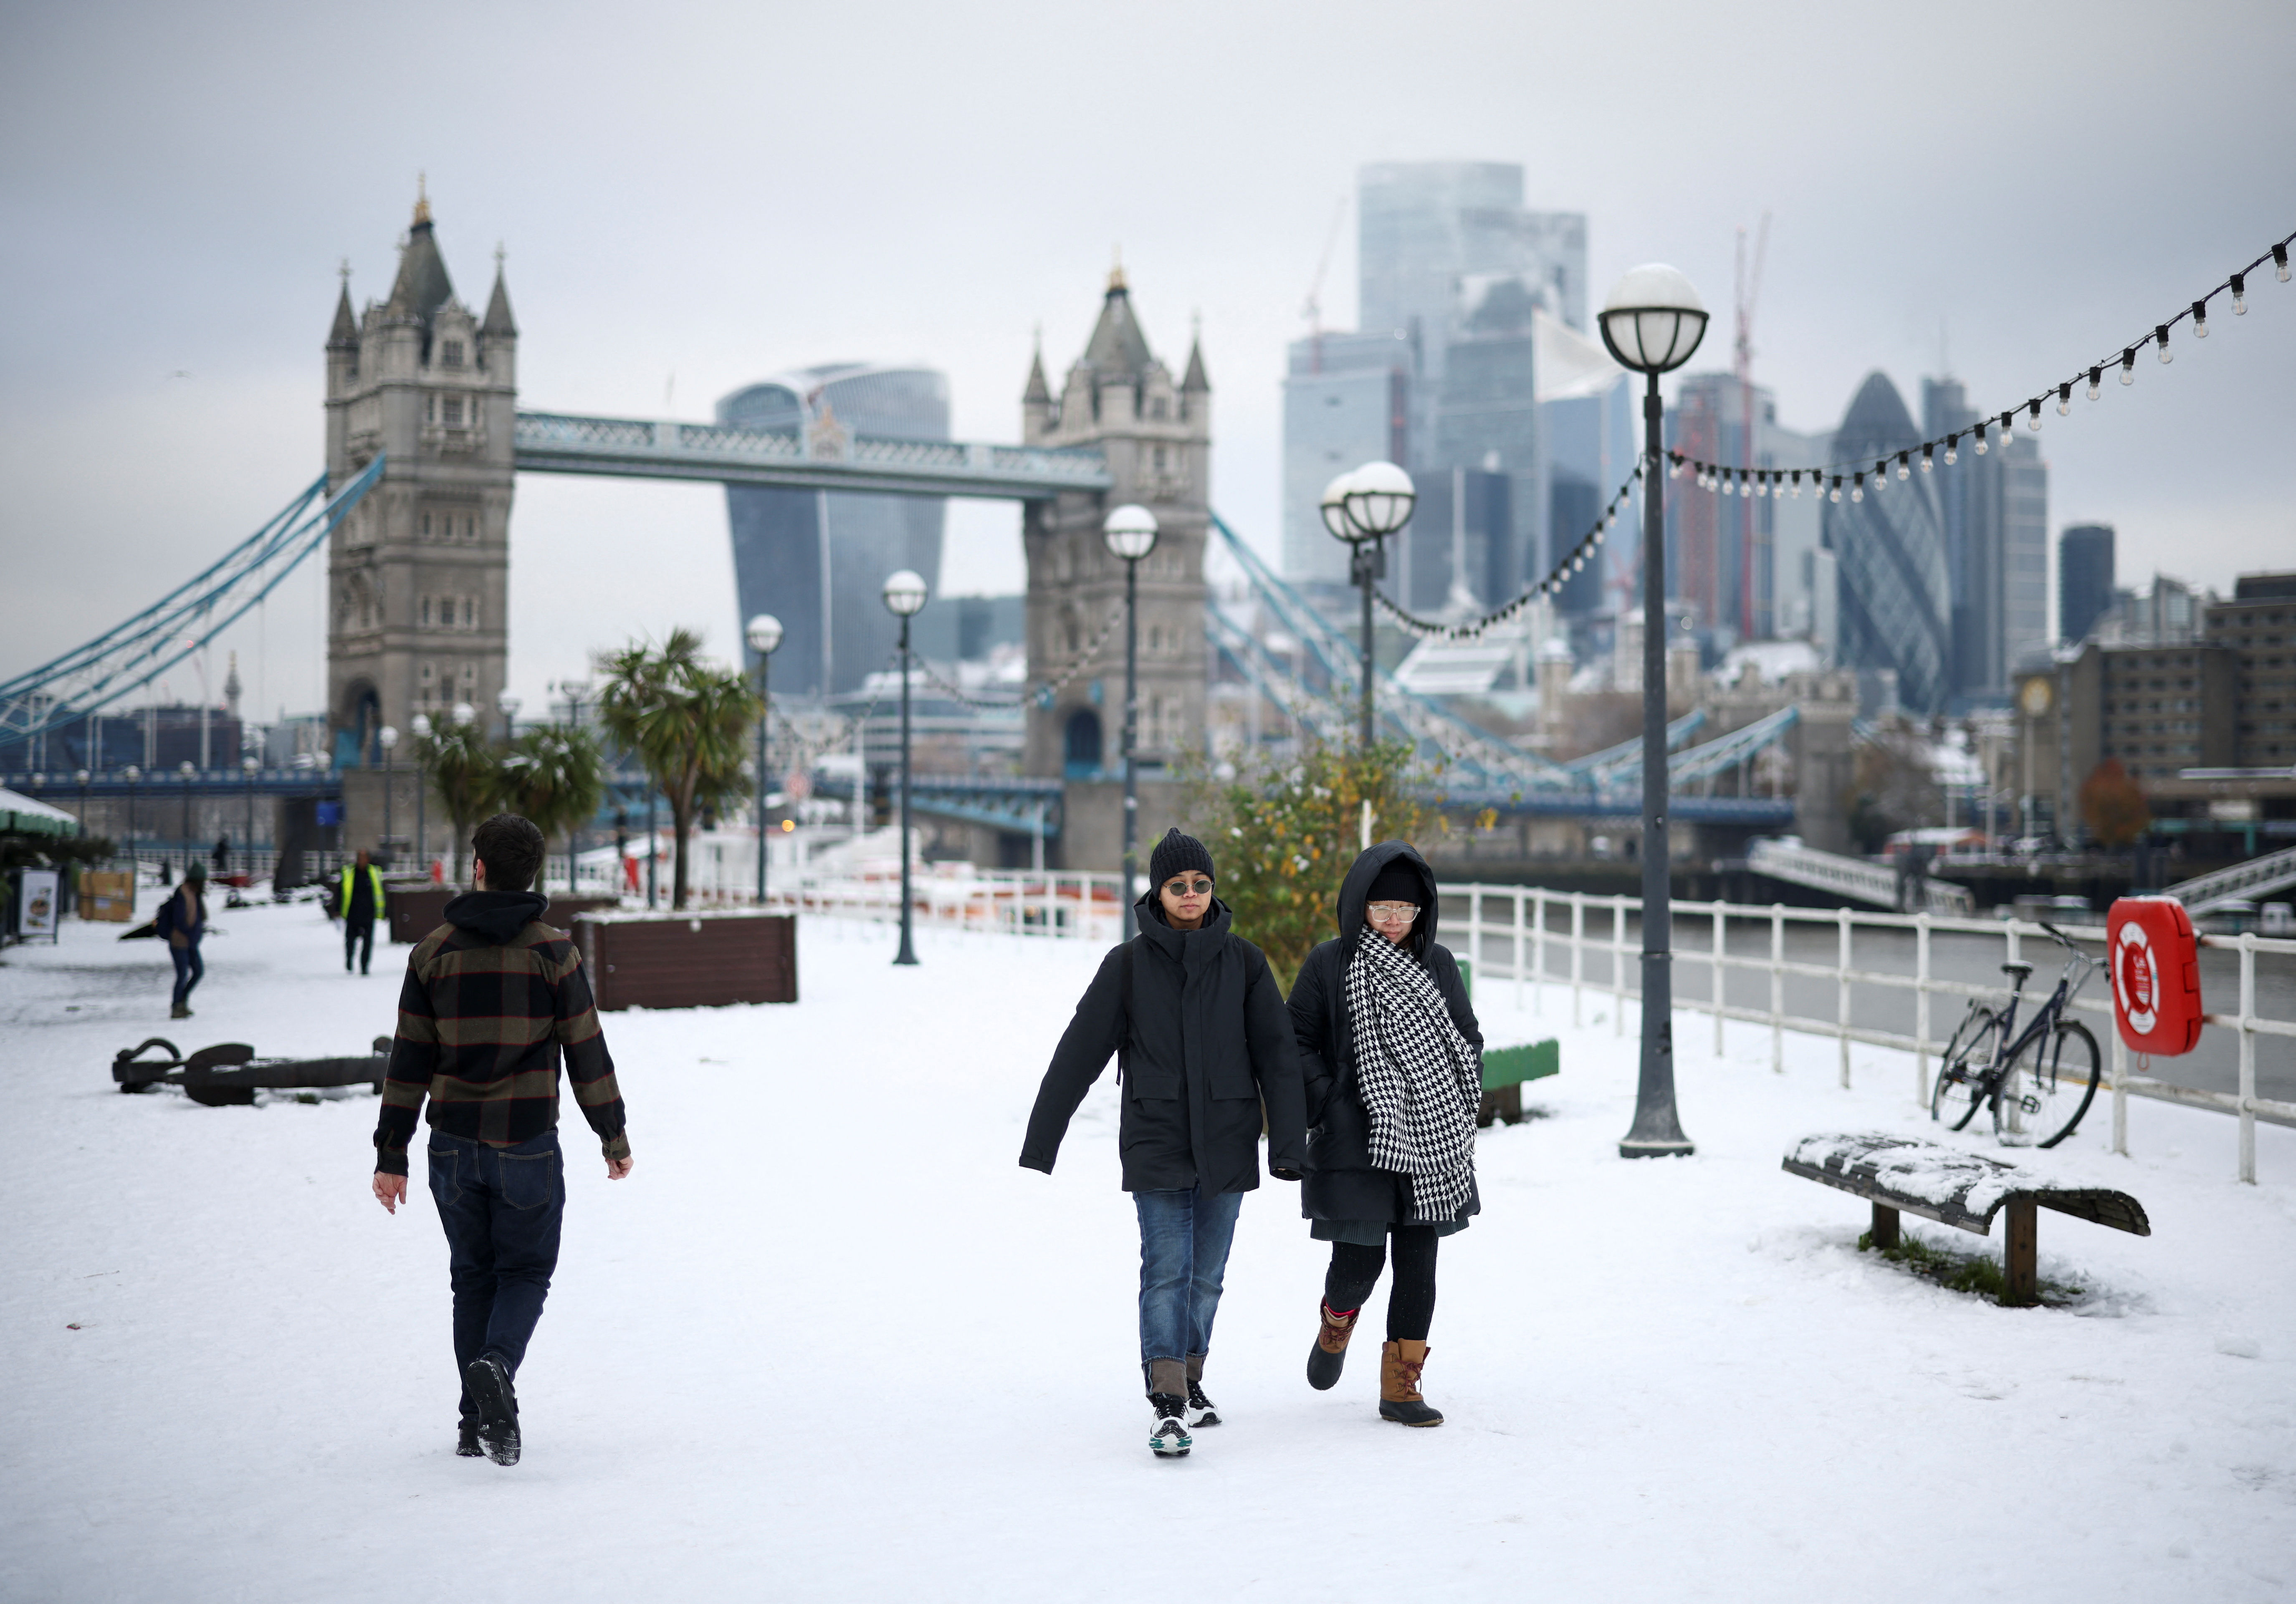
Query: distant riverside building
[[818, 559], [1896, 594], [2084, 589]]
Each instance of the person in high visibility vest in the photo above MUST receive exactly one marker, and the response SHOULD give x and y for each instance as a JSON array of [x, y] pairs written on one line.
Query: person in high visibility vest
[[359, 899]]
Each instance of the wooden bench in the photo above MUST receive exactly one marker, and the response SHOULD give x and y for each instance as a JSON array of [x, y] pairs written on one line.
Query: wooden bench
[[1505, 1071], [1954, 1186]]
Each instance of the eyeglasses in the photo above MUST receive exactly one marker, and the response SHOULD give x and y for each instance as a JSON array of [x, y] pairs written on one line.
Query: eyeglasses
[[1393, 913], [1182, 887]]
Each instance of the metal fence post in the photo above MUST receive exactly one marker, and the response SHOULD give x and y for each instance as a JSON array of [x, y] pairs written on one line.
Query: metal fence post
[[2120, 1092], [1922, 1005], [1721, 940], [1619, 966], [1538, 952], [1518, 951], [1475, 928], [2248, 1056], [1577, 951], [1842, 1008], [1777, 988]]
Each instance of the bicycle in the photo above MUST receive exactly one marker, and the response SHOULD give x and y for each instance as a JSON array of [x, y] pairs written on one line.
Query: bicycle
[[2038, 1084]]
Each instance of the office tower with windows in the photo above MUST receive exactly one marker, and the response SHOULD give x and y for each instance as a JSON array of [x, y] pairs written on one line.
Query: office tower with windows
[[818, 559], [1344, 401], [1746, 564], [2084, 580], [1887, 538]]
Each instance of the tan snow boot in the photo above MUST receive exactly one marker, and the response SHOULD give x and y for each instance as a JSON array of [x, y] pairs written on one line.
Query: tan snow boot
[[1399, 1364]]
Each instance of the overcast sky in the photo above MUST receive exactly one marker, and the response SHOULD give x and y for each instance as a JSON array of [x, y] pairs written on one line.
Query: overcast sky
[[693, 197]]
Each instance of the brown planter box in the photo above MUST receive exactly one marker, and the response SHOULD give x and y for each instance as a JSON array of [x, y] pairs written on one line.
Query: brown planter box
[[107, 894], [418, 909], [689, 960]]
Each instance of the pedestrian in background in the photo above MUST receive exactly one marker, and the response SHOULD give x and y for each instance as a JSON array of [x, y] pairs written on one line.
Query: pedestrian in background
[[1200, 1037], [492, 998], [182, 922], [1393, 1060], [359, 899]]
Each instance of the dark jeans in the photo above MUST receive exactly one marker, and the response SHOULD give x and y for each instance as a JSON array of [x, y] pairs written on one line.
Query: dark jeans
[[1410, 1300], [1184, 1243], [188, 970], [355, 932], [501, 1207]]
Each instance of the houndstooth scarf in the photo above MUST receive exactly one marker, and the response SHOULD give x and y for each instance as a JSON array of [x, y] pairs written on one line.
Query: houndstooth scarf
[[1420, 1080]]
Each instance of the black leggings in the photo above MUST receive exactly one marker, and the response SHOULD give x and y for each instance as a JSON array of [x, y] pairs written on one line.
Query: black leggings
[[1410, 1298]]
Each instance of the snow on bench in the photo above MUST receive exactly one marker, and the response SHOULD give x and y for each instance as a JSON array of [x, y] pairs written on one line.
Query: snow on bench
[[1957, 1188]]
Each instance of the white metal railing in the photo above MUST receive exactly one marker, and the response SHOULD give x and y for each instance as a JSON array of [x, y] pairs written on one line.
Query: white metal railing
[[2257, 876], [1070, 906], [1524, 939]]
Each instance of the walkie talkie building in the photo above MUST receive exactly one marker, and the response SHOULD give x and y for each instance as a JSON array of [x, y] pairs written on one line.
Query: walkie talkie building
[[1896, 586]]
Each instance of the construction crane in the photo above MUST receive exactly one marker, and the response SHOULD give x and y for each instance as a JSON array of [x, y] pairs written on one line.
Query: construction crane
[[1313, 309], [1748, 292]]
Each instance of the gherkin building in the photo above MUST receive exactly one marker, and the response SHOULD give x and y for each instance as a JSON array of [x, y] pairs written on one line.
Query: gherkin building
[[1896, 588]]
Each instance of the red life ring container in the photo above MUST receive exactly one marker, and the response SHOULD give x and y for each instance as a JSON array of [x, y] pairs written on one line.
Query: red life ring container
[[2154, 960]]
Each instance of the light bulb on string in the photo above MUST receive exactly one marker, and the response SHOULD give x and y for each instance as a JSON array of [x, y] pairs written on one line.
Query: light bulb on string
[[1952, 449], [2280, 262], [2240, 295], [1881, 472], [2064, 400], [2199, 320], [1981, 439], [1857, 488], [2160, 339], [1905, 470], [2033, 416], [1837, 488], [2094, 374], [2008, 427], [2129, 365]]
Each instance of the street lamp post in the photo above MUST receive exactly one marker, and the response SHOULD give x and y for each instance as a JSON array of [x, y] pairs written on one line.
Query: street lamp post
[[1652, 322], [388, 737], [764, 634], [82, 777], [574, 691], [465, 718], [1363, 508], [421, 725], [1130, 531], [905, 597], [188, 768], [247, 764], [131, 774], [507, 705]]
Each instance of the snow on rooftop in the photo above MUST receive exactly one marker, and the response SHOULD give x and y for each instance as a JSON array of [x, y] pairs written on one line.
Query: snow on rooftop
[[830, 1342]]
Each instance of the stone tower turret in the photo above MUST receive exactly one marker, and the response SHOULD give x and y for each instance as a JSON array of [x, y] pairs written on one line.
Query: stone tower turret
[[1157, 439], [419, 574]]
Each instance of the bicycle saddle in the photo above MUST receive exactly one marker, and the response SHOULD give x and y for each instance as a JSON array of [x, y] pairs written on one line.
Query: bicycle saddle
[[2017, 971]]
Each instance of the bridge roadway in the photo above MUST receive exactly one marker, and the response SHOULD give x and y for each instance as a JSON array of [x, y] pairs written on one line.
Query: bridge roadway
[[555, 443]]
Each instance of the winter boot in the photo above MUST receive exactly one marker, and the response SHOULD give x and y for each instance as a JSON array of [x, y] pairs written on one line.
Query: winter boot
[[1399, 1364], [466, 1444], [1331, 1350], [180, 1011], [1200, 1411], [1169, 1440], [490, 1390]]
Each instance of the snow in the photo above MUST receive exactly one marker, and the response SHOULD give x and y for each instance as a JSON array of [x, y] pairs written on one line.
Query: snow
[[1942, 1176], [830, 1342]]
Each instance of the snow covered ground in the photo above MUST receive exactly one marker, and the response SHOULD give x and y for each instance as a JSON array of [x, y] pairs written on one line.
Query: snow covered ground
[[829, 1342]]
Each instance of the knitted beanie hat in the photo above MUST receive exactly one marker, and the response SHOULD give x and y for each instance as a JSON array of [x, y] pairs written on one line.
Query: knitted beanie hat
[[1177, 854], [1397, 882]]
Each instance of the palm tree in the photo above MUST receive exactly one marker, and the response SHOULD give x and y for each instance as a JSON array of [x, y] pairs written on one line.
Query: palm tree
[[464, 767], [688, 722], [556, 776]]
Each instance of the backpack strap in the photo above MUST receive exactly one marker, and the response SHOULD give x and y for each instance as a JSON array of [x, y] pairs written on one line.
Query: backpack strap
[[1124, 1017]]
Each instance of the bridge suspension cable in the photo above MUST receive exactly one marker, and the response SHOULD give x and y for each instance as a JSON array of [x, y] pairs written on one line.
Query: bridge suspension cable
[[132, 654]]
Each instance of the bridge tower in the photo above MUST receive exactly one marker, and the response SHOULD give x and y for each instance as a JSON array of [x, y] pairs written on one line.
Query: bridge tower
[[418, 576], [1156, 437]]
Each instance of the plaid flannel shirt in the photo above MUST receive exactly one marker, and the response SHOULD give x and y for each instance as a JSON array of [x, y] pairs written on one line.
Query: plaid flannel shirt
[[480, 1028]]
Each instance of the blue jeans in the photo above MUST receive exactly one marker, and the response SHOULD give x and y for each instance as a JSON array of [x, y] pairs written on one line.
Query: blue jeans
[[188, 970], [501, 1207], [1184, 1242]]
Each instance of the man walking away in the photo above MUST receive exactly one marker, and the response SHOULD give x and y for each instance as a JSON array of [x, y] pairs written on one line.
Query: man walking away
[[360, 898], [183, 921], [492, 998]]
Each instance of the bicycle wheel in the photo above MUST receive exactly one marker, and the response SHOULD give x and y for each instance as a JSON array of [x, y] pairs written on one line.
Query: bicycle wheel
[[1959, 1088], [2048, 1088]]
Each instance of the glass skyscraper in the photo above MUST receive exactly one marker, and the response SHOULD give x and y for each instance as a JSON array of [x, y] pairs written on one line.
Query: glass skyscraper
[[1896, 587], [818, 559]]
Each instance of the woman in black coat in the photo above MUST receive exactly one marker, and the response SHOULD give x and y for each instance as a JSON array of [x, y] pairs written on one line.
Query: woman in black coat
[[1393, 1060], [1197, 1025]]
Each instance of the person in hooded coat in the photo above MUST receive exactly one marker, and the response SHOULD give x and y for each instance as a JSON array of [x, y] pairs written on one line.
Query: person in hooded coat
[[1197, 1025], [1393, 1060]]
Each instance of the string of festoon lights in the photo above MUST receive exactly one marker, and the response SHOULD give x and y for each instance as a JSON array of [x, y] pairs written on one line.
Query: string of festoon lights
[[1572, 563], [1834, 479]]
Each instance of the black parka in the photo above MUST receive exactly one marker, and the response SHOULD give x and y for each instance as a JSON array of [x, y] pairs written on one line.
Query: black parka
[[1211, 1041], [1342, 1182]]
